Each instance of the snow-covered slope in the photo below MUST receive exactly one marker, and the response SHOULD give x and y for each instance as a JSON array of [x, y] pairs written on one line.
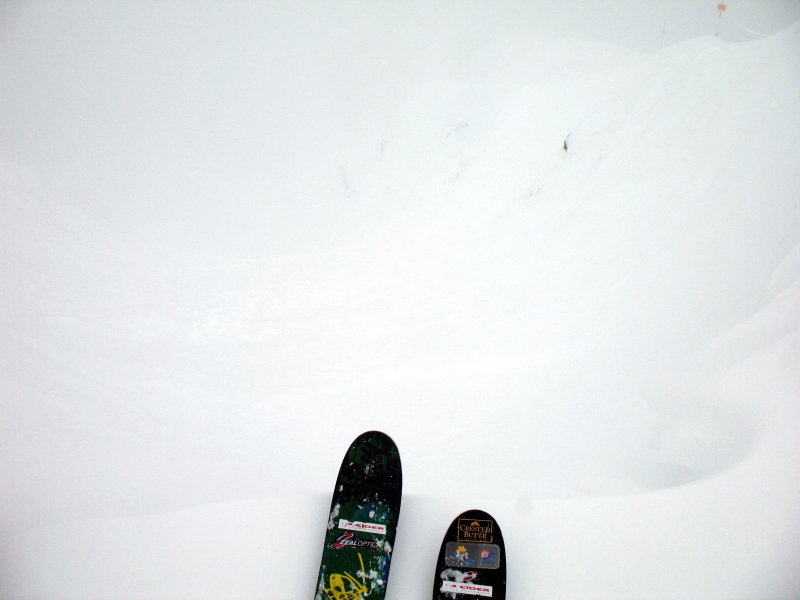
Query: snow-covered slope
[[563, 276]]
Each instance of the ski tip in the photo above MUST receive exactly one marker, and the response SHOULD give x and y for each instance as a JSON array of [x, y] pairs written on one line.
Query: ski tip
[[373, 462], [378, 440], [374, 433]]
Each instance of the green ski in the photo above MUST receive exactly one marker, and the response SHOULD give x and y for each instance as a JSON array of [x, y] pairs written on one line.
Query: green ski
[[363, 521]]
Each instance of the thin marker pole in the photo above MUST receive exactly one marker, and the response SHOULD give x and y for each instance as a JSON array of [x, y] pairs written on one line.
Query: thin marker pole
[[722, 8]]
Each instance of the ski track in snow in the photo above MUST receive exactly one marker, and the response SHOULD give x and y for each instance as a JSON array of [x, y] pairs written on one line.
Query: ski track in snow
[[596, 341]]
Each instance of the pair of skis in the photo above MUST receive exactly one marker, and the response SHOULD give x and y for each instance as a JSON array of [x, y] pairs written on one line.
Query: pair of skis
[[363, 522]]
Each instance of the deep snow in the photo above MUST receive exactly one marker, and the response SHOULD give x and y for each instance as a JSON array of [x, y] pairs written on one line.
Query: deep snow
[[226, 252]]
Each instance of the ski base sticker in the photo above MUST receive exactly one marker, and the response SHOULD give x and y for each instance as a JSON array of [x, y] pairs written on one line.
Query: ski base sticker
[[454, 587], [478, 556], [359, 526], [351, 540]]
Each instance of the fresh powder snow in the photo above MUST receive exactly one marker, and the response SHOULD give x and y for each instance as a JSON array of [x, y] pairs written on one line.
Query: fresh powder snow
[[554, 254]]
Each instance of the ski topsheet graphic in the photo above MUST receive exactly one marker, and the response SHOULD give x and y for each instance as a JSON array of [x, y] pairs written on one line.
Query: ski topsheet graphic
[[472, 560], [362, 522]]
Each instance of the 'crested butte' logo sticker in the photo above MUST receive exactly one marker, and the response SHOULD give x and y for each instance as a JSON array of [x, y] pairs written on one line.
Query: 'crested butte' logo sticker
[[359, 526], [456, 587], [475, 530]]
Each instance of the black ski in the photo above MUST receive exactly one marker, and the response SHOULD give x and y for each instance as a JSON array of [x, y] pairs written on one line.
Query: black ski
[[472, 559]]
